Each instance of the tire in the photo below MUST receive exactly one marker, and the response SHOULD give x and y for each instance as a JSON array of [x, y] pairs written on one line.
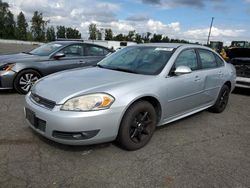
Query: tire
[[137, 126], [222, 100], [25, 80]]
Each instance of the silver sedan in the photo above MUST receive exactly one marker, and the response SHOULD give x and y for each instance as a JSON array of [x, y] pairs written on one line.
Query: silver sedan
[[128, 94]]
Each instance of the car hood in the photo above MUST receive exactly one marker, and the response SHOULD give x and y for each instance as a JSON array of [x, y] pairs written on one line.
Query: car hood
[[20, 57], [62, 86]]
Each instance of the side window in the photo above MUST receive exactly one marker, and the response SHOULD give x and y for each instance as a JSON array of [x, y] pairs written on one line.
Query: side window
[[187, 58], [95, 51], [73, 50], [207, 59], [220, 62]]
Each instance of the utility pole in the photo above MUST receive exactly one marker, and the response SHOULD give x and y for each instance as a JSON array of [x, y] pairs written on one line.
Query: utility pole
[[211, 25]]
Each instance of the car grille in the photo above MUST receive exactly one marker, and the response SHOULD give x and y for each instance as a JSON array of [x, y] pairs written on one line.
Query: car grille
[[42, 101], [242, 71]]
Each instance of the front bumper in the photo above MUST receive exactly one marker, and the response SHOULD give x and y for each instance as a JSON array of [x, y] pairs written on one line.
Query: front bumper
[[242, 82], [6, 79], [96, 126]]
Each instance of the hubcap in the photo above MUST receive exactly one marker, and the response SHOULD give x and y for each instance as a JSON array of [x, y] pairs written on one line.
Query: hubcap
[[139, 129], [27, 81]]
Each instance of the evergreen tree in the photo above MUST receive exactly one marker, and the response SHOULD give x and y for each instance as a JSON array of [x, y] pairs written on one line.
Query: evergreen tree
[[108, 34], [92, 31], [7, 23], [72, 33], [21, 30], [38, 26], [50, 34], [9, 26], [61, 31], [3, 12], [156, 38]]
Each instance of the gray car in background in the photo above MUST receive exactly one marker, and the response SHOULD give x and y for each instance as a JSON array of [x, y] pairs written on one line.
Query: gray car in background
[[128, 94], [21, 71]]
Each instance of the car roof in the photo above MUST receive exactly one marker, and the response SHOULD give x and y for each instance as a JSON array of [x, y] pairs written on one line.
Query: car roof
[[172, 45], [67, 42]]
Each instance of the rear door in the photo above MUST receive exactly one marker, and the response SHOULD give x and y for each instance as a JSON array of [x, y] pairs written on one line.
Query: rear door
[[213, 72], [94, 54], [185, 91]]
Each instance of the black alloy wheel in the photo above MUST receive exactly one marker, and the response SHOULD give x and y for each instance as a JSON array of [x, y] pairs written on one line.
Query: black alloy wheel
[[137, 126]]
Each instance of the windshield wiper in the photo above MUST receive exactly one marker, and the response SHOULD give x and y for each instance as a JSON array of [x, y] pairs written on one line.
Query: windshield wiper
[[123, 70], [117, 69]]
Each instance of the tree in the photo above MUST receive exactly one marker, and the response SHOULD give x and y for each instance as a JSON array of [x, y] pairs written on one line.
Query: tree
[[138, 38], [92, 31], [72, 33], [99, 35], [119, 37], [38, 26], [131, 35], [7, 23], [21, 30], [61, 31], [9, 26], [108, 34], [3, 11], [156, 38], [165, 39], [50, 34]]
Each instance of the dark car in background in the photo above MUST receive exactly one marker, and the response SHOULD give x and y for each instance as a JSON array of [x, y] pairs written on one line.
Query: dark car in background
[[20, 71], [242, 66]]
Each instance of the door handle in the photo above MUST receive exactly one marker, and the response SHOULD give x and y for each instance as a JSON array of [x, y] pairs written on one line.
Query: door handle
[[81, 62], [221, 73], [197, 78]]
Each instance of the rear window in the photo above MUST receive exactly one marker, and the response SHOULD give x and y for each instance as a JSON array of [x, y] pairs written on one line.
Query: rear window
[[220, 62], [207, 59]]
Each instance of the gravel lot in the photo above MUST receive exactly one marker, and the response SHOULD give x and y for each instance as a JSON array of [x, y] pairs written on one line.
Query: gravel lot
[[204, 150]]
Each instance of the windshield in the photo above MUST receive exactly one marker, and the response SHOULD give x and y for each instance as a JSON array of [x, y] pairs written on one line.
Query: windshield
[[138, 59], [46, 49]]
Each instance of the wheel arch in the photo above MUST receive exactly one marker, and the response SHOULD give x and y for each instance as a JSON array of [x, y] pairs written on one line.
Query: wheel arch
[[25, 69], [229, 84], [149, 98]]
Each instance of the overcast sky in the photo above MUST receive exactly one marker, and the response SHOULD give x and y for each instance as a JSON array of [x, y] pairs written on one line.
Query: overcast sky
[[183, 19]]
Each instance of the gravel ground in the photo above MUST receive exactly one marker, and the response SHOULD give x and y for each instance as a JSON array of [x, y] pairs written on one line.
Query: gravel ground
[[204, 150]]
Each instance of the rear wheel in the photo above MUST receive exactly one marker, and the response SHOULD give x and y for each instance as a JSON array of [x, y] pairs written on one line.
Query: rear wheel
[[222, 100], [137, 126], [25, 80]]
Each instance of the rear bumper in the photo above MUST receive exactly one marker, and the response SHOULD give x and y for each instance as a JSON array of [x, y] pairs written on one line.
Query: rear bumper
[[6, 79], [242, 82]]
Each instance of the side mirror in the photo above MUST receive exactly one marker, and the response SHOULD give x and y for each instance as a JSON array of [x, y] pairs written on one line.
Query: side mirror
[[59, 55], [182, 70]]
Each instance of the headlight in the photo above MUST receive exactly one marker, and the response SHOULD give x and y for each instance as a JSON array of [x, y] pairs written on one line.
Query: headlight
[[98, 101], [7, 67]]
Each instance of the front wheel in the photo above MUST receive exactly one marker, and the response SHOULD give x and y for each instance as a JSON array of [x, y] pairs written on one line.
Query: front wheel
[[25, 80], [137, 126], [222, 100]]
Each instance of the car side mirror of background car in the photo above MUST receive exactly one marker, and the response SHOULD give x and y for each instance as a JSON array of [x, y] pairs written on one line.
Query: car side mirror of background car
[[59, 55], [182, 70]]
